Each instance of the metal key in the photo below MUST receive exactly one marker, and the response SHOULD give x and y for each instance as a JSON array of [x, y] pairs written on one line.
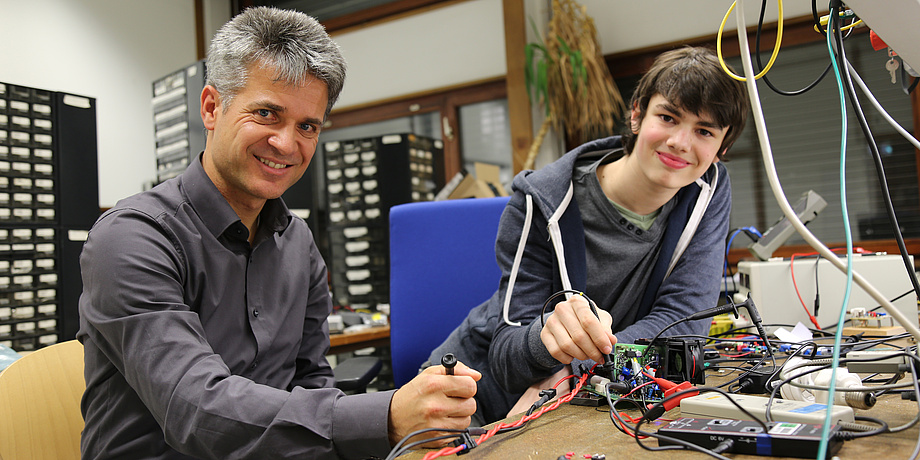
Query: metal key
[[892, 66]]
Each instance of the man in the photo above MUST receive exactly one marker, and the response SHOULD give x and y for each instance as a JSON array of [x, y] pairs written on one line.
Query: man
[[636, 223], [203, 316]]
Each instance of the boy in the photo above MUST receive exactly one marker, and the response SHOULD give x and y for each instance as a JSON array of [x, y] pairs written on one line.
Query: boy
[[637, 223]]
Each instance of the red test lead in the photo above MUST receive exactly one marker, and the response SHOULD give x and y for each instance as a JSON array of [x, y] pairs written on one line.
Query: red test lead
[[667, 403]]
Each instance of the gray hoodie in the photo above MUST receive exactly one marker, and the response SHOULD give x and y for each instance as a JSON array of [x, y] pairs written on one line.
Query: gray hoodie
[[541, 250]]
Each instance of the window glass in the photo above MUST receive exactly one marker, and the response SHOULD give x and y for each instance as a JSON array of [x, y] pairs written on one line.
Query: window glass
[[805, 136], [485, 136]]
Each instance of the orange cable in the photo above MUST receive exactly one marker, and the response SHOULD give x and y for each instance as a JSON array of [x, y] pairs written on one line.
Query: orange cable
[[811, 317], [526, 418]]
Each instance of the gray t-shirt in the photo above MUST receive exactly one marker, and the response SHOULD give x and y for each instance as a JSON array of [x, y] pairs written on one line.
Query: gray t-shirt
[[620, 256]]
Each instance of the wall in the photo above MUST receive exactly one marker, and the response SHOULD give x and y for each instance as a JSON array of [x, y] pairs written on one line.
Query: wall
[[447, 46], [111, 50], [631, 25], [465, 41]]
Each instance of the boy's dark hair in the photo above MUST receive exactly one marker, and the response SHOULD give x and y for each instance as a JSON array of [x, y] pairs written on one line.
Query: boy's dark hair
[[692, 79]]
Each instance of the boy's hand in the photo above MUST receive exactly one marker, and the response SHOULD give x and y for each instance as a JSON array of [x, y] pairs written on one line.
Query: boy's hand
[[433, 399], [573, 332]]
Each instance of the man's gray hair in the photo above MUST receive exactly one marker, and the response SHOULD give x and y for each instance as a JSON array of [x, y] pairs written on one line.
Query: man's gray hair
[[295, 45]]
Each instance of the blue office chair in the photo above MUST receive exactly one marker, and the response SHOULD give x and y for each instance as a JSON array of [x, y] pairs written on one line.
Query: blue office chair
[[442, 264]]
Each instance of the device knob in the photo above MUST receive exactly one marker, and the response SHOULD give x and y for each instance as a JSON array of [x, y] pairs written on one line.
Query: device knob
[[449, 361]]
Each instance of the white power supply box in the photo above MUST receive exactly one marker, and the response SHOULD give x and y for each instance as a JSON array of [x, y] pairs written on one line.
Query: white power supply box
[[716, 405], [771, 288]]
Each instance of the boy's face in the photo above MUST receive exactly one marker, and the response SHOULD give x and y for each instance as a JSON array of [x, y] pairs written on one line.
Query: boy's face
[[261, 143], [674, 147]]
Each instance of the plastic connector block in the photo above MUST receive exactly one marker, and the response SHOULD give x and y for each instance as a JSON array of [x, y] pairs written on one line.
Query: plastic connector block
[[586, 398], [465, 440], [756, 380], [545, 396], [720, 324], [783, 439]]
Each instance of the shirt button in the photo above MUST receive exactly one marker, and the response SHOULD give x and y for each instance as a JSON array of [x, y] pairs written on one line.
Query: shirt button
[[622, 221], [638, 231], [255, 313], [254, 365], [630, 227]]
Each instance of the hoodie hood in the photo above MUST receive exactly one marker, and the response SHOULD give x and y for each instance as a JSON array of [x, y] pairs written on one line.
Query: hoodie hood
[[544, 185]]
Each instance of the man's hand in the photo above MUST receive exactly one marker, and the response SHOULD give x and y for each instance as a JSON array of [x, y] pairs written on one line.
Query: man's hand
[[434, 399], [573, 332]]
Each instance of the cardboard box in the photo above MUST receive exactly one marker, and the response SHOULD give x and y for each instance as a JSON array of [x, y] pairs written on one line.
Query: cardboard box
[[484, 184]]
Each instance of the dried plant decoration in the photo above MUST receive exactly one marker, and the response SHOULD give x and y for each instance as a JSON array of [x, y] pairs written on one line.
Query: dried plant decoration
[[570, 79]]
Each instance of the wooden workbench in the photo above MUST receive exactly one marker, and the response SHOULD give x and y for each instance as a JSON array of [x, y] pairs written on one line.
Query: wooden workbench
[[376, 336], [587, 430]]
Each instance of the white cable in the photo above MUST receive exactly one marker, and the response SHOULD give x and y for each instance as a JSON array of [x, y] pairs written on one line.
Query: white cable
[[555, 234], [518, 255], [910, 138], [779, 194]]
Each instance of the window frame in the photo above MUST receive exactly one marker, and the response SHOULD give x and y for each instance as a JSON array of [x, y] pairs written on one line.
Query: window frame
[[445, 101]]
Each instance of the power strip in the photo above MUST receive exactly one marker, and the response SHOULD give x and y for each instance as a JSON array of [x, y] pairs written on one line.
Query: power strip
[[783, 439], [716, 405]]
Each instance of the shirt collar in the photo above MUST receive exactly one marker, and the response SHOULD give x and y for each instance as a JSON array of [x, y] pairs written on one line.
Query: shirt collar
[[277, 215], [216, 212]]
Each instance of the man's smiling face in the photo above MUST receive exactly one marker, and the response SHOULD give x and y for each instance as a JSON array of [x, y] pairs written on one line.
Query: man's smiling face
[[262, 142]]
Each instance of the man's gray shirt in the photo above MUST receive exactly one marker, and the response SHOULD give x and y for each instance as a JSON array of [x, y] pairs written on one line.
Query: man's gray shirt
[[197, 344]]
